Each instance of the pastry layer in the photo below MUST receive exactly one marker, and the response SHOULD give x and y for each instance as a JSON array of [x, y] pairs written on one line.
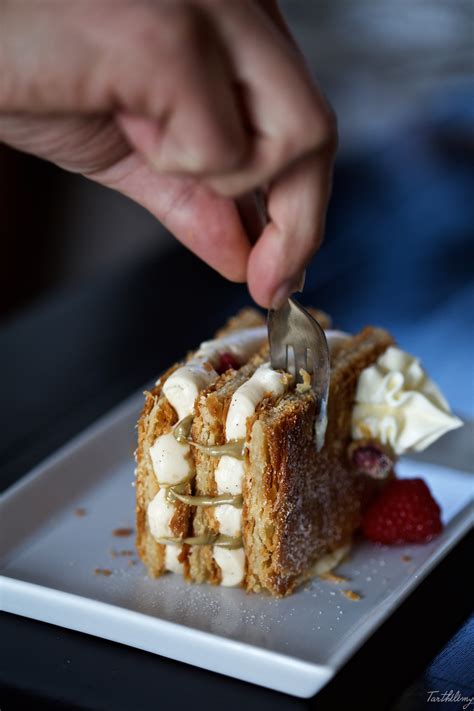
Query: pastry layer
[[301, 505]]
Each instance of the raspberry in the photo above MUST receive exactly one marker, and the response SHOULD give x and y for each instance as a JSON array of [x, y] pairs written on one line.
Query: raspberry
[[368, 458], [226, 360], [404, 512]]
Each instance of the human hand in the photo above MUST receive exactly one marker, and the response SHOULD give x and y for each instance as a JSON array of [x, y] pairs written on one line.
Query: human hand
[[181, 106]]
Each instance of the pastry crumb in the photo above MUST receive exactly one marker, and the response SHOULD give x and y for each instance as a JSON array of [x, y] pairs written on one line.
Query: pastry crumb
[[80, 512], [351, 595], [103, 571], [406, 558], [306, 384], [333, 578], [122, 532]]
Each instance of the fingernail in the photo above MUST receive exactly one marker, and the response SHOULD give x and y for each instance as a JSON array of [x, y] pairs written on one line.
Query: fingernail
[[281, 294], [286, 289]]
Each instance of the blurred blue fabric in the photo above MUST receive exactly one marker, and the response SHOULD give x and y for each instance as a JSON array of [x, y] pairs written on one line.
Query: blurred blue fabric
[[399, 246]]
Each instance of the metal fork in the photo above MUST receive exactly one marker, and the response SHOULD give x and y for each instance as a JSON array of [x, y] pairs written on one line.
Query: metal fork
[[297, 342]]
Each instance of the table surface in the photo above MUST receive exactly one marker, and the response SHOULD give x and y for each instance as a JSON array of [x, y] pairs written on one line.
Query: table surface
[[82, 350]]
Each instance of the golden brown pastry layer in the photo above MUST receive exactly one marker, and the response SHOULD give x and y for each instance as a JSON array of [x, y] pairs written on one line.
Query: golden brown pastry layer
[[299, 504]]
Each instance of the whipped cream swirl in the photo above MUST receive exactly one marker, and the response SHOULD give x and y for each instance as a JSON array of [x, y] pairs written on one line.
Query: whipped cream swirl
[[399, 405]]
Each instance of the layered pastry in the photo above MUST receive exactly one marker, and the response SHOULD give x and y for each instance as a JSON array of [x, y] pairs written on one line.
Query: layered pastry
[[231, 486]]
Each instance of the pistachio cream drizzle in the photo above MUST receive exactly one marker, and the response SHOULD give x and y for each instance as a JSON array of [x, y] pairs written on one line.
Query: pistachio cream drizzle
[[229, 499], [206, 539], [233, 448], [182, 429]]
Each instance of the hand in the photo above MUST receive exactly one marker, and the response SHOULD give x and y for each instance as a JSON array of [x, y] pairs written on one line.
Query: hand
[[181, 106]]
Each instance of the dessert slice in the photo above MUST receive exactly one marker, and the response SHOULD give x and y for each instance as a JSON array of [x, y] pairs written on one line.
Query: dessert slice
[[231, 488], [165, 459]]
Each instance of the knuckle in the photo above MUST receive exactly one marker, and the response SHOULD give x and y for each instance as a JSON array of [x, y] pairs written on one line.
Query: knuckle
[[310, 131], [211, 150], [323, 128]]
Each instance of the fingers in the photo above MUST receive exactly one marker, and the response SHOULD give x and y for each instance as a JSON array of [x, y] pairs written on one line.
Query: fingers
[[288, 114], [297, 203], [209, 225]]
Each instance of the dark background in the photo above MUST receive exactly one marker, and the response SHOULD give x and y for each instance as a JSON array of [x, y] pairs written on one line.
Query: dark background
[[90, 284]]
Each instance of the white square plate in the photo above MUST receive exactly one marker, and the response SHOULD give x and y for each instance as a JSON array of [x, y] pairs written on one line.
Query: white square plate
[[49, 554]]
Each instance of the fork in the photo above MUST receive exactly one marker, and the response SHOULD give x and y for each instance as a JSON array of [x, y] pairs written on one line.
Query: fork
[[297, 342]]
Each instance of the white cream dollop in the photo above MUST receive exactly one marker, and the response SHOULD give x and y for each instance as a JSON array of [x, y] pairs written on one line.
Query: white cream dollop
[[160, 513], [184, 385], [170, 458], [247, 396], [229, 475], [230, 520], [232, 565], [399, 405], [171, 559]]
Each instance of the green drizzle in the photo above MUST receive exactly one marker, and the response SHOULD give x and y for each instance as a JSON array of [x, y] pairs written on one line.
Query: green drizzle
[[233, 448], [219, 500], [207, 539]]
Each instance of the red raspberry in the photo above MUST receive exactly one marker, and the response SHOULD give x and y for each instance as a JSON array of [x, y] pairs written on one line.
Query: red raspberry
[[370, 459], [226, 360], [404, 512]]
